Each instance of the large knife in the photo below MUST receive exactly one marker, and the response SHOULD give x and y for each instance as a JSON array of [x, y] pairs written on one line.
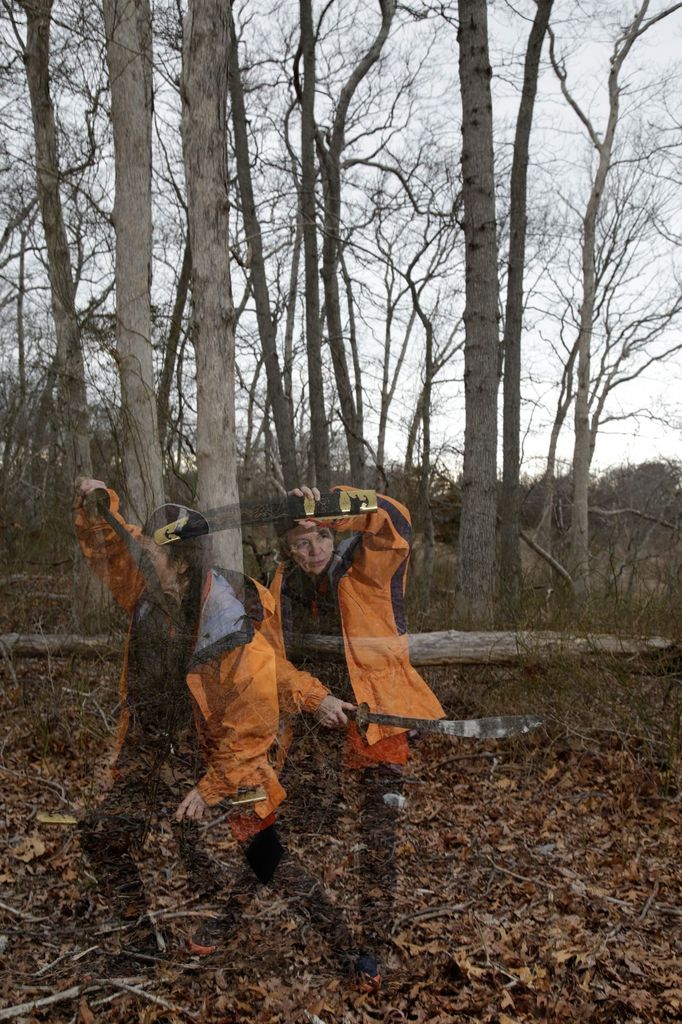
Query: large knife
[[331, 505], [495, 728]]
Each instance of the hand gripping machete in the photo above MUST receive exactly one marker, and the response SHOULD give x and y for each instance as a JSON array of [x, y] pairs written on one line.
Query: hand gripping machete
[[468, 728]]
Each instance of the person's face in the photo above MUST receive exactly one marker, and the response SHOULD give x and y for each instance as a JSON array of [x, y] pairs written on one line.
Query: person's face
[[311, 547]]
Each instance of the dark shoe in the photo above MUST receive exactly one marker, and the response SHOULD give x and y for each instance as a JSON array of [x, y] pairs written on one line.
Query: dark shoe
[[367, 973]]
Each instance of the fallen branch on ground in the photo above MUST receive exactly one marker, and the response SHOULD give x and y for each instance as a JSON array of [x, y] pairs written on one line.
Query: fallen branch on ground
[[36, 1004], [447, 647], [38, 645]]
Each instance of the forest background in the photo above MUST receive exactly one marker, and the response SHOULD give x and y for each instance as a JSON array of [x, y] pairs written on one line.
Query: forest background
[[223, 286], [428, 247]]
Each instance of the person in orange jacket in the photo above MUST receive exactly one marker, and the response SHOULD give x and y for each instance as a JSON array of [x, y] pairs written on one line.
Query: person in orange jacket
[[200, 712], [354, 588]]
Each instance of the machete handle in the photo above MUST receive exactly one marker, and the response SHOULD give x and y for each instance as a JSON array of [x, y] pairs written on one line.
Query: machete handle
[[249, 796], [361, 716], [332, 504], [96, 503]]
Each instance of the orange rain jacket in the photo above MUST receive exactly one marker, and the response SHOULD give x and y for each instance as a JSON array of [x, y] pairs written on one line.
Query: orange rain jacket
[[235, 698], [370, 578]]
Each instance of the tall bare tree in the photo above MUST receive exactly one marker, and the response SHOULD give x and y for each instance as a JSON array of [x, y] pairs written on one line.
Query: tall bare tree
[[603, 145], [510, 551], [87, 604], [476, 576], [129, 59], [206, 41]]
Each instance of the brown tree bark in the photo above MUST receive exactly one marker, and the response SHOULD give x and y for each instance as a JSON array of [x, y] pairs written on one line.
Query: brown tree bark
[[129, 60], [205, 48], [476, 577], [510, 548]]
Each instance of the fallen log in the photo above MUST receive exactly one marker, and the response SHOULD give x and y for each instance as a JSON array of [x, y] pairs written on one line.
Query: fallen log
[[453, 647], [38, 645], [448, 647]]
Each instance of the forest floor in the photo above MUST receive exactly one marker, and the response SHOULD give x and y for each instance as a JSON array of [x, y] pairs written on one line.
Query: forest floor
[[537, 879]]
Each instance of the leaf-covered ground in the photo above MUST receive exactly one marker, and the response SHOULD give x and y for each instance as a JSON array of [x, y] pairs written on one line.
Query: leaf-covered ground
[[537, 879]]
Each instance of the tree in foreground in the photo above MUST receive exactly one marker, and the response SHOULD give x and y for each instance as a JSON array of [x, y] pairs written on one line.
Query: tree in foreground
[[129, 58], [204, 109], [476, 576]]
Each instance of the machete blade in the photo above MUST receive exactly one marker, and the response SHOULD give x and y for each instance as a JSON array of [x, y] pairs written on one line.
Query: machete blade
[[498, 727]]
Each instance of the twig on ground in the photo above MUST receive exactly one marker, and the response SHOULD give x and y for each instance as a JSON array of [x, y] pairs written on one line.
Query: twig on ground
[[22, 914], [149, 996], [513, 874], [63, 956], [429, 913], [647, 906], [110, 929], [84, 952], [36, 1004], [664, 908], [167, 914], [54, 786]]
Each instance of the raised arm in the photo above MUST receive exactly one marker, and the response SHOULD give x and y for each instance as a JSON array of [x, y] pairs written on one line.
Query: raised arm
[[107, 553]]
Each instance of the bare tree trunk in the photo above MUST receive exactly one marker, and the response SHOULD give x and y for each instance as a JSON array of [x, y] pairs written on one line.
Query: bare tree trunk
[[476, 579], [205, 50], [129, 60], [282, 411], [291, 315], [21, 326], [388, 386], [318, 414], [170, 354], [425, 510], [408, 463], [356, 358], [88, 606], [424, 516], [543, 534], [510, 547]]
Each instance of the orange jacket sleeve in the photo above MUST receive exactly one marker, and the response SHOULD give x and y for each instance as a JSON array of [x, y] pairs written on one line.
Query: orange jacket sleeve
[[109, 555], [387, 531]]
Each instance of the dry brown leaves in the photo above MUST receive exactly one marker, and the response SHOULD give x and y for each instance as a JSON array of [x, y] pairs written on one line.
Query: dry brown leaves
[[537, 880]]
